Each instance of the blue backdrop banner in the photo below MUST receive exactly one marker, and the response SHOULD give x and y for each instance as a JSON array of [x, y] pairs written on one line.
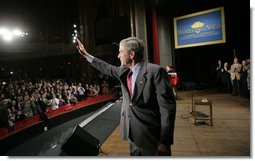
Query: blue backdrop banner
[[201, 28]]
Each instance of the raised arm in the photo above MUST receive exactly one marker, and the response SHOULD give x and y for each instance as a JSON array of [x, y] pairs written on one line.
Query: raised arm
[[100, 65], [82, 50]]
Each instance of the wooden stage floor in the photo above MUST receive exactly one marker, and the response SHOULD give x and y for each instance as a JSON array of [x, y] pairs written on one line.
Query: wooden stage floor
[[229, 135]]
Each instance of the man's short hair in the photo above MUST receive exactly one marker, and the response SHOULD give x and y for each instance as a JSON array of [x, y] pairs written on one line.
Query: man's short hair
[[135, 44]]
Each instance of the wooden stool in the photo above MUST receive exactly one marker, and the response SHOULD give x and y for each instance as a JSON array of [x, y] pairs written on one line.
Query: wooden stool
[[200, 103]]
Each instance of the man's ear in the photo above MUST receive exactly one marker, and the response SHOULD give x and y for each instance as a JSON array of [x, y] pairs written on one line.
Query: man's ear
[[132, 54]]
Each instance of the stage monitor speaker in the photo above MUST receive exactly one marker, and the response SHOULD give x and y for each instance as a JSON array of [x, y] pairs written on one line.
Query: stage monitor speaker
[[81, 143]]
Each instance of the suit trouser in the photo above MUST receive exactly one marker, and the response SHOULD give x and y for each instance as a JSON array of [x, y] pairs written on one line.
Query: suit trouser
[[140, 151], [235, 87]]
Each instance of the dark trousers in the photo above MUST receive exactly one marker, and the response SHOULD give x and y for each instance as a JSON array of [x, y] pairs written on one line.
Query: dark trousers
[[236, 84], [243, 89], [44, 118], [139, 151]]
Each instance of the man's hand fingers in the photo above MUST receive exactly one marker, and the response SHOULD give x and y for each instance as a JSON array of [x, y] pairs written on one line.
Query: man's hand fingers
[[79, 42], [81, 48]]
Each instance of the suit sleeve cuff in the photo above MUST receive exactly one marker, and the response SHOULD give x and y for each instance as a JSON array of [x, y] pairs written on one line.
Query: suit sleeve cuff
[[90, 58]]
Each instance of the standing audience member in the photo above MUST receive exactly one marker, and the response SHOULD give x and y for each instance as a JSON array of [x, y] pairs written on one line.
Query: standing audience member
[[40, 106], [173, 78], [87, 90], [11, 117], [235, 76], [4, 120], [243, 80], [219, 70], [248, 76], [227, 86]]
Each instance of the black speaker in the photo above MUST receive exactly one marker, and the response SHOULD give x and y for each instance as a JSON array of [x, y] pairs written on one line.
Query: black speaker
[[81, 143]]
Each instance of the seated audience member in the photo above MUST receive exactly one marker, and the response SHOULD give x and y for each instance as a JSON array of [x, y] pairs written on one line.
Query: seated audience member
[[33, 106], [19, 116], [54, 102], [62, 102], [96, 89], [105, 87], [45, 97], [80, 92], [27, 107], [71, 98], [91, 90]]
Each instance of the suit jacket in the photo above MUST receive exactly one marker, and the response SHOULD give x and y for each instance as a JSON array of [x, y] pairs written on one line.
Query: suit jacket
[[148, 117], [235, 71]]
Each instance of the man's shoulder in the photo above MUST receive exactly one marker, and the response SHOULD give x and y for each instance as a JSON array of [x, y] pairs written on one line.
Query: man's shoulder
[[154, 67]]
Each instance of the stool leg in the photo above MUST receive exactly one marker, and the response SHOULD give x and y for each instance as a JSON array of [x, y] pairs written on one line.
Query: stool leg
[[211, 115], [193, 110]]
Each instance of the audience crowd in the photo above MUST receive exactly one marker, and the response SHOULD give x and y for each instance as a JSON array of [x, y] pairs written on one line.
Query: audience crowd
[[234, 79], [22, 99]]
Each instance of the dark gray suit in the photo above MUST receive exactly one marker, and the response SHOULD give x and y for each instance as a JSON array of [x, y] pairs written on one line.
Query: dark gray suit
[[148, 117]]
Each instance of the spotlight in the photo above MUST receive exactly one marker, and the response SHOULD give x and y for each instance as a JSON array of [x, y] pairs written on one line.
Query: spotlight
[[16, 32], [9, 34]]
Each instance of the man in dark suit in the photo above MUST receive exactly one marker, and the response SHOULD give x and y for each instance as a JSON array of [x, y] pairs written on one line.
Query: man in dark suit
[[149, 108], [4, 113]]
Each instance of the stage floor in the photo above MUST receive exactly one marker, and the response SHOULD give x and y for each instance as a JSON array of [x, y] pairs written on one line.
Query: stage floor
[[229, 135]]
